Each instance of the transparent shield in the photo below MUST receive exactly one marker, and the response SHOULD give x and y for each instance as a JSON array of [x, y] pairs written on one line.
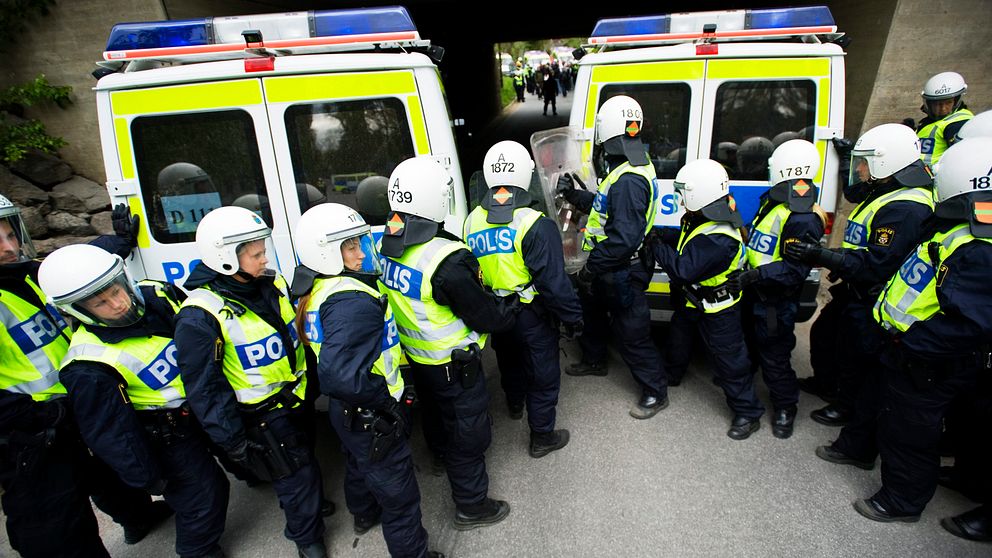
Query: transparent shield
[[556, 152]]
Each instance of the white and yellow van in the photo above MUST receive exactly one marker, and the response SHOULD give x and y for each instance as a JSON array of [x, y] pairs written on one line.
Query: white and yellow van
[[727, 85], [271, 112]]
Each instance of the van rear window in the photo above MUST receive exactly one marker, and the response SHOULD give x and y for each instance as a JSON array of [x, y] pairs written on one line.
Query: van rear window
[[666, 120], [335, 146], [190, 164], [752, 118]]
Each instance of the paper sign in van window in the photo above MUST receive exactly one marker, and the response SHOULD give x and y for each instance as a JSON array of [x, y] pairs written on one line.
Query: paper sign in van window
[[183, 213]]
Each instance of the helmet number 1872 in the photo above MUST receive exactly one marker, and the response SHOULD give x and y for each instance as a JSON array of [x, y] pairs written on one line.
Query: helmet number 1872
[[502, 167]]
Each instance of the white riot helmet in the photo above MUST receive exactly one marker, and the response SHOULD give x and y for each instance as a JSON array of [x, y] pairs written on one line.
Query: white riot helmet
[[963, 184], [421, 186], [978, 126], [420, 192], [324, 231], [700, 183], [796, 158], [222, 231], [91, 284], [618, 128], [508, 163], [945, 85], [791, 170], [15, 243], [888, 150]]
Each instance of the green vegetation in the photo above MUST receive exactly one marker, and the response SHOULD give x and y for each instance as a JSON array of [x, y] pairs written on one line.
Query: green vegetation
[[506, 93], [18, 135]]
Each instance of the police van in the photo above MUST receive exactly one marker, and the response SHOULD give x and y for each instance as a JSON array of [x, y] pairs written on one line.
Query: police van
[[272, 112], [728, 85]]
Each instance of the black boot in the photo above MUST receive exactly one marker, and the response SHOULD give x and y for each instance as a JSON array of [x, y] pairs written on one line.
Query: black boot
[[489, 512], [157, 513], [782, 422], [312, 550], [974, 525], [543, 443], [583, 368], [363, 524]]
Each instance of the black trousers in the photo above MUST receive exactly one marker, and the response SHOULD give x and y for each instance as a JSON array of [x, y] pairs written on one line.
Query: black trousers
[[529, 366], [619, 306], [909, 427], [47, 502], [457, 426], [770, 328], [386, 487], [721, 332]]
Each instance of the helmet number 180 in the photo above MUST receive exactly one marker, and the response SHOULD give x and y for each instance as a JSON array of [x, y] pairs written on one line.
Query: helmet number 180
[[630, 113]]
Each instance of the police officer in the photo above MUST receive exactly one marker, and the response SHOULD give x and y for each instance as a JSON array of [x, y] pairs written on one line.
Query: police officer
[[520, 251], [709, 248], [347, 321], [46, 471], [442, 312], [786, 213], [945, 114], [518, 82], [242, 364], [895, 188], [622, 212], [935, 314], [122, 377]]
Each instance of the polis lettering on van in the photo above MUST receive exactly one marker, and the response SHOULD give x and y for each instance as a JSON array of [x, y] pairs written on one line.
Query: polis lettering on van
[[162, 370], [405, 280], [498, 240], [174, 271], [668, 204], [261, 353]]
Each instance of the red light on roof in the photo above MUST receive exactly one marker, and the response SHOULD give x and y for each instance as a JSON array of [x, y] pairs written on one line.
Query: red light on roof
[[266, 64], [707, 49]]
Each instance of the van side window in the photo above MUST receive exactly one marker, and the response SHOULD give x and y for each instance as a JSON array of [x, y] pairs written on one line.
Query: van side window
[[336, 146], [752, 118], [190, 164], [666, 120]]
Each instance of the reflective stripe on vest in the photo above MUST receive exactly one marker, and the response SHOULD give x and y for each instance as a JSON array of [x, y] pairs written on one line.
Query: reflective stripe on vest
[[763, 245], [147, 364], [32, 345], [595, 231], [859, 227], [708, 228], [499, 249], [255, 361], [428, 331], [932, 142], [388, 363], [911, 294]]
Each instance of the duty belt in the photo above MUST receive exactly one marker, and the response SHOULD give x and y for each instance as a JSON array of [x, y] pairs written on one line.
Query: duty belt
[[284, 397]]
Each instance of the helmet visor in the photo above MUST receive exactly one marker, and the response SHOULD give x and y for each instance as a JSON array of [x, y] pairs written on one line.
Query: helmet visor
[[15, 242], [359, 255], [112, 301], [860, 169]]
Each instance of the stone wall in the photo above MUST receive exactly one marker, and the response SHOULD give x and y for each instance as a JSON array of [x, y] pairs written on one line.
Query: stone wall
[[58, 207]]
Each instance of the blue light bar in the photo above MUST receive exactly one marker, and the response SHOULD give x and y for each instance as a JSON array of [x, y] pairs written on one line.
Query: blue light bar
[[779, 18], [393, 19], [730, 21], [275, 27], [159, 34], [647, 25]]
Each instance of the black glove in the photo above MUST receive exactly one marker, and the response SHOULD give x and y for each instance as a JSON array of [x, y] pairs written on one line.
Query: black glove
[[583, 280], [125, 224], [909, 122], [646, 251], [573, 330], [843, 147], [812, 253], [669, 235], [738, 280], [565, 184]]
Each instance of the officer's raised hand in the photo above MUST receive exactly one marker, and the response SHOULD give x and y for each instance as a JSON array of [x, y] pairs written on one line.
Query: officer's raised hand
[[566, 186], [810, 252], [125, 225], [739, 280]]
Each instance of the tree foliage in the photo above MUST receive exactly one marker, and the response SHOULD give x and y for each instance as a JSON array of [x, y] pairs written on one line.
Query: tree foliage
[[17, 135]]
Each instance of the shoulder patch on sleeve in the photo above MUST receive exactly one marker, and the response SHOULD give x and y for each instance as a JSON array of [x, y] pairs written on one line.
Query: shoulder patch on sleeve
[[882, 236]]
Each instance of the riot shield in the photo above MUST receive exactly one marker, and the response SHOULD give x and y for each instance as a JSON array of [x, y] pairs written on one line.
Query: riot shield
[[556, 152]]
